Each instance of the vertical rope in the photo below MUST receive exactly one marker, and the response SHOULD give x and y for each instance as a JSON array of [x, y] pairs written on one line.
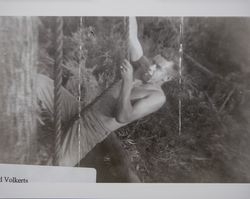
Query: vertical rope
[[79, 88], [57, 87], [126, 31], [180, 74]]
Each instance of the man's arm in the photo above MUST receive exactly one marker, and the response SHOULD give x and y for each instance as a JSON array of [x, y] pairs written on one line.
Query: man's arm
[[126, 112], [124, 107]]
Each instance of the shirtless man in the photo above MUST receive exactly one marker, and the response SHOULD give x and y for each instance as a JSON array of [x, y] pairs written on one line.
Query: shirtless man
[[136, 95]]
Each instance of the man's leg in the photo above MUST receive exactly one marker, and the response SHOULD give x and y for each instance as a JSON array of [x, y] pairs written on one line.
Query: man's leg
[[111, 161], [69, 109], [123, 164], [45, 94], [135, 49]]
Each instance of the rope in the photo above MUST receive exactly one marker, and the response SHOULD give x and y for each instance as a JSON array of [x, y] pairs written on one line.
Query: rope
[[79, 89], [57, 88], [180, 74], [126, 30]]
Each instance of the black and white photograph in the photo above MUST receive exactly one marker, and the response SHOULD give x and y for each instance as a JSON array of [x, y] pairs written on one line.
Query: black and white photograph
[[139, 99]]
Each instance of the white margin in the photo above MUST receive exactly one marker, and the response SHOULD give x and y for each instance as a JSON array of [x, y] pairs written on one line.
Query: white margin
[[125, 7]]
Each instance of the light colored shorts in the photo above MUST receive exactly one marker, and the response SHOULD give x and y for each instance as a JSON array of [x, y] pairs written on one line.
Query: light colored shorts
[[80, 135]]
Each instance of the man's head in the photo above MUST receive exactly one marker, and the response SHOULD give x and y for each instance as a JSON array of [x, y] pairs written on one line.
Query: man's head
[[161, 70]]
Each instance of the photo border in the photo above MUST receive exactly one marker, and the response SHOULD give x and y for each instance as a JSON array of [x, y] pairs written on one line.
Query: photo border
[[199, 8]]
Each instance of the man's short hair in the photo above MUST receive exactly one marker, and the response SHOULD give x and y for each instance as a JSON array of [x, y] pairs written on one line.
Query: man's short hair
[[162, 61]]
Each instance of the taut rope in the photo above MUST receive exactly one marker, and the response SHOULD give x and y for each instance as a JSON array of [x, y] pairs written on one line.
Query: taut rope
[[126, 30], [57, 88]]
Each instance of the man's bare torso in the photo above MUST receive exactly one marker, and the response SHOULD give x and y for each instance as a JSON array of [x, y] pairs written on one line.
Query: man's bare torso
[[105, 109]]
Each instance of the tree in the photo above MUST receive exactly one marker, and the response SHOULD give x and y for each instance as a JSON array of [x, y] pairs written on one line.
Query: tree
[[18, 48]]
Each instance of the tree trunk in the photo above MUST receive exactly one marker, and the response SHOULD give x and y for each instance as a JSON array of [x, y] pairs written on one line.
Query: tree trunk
[[18, 48]]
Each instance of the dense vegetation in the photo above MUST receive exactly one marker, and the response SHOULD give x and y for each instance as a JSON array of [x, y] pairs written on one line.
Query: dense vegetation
[[212, 143]]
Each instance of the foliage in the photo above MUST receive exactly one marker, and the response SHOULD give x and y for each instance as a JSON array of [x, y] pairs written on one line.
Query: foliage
[[160, 35], [88, 58], [92, 51], [213, 144]]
